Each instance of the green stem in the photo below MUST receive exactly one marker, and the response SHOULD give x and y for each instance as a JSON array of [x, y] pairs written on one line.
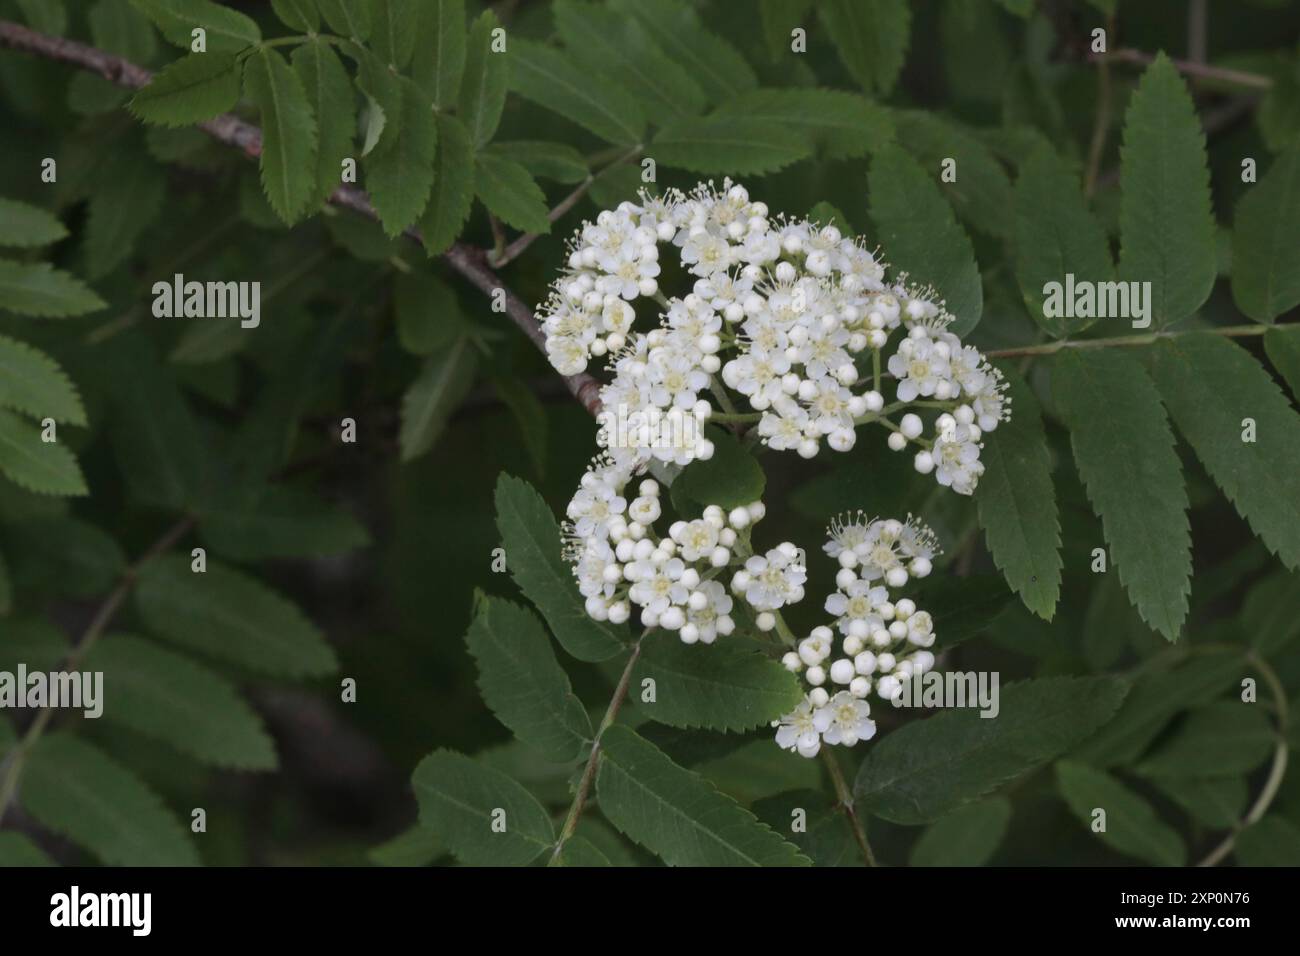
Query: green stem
[[845, 798], [593, 759], [1123, 341], [13, 763], [1276, 772]]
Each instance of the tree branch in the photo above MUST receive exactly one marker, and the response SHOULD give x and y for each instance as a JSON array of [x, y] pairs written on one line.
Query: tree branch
[[231, 130], [1187, 68]]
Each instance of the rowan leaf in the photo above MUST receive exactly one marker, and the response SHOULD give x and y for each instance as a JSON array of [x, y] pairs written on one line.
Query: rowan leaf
[[1166, 224], [721, 143], [440, 50], [32, 382], [165, 695], [225, 614], [548, 78], [38, 289], [442, 382], [289, 138], [1056, 235], [452, 194], [721, 687], [329, 91], [841, 125], [871, 37], [1282, 345], [915, 223], [1124, 447], [1266, 242], [923, 770], [46, 468], [25, 225], [676, 27], [1210, 386], [487, 75], [1016, 503], [189, 90], [226, 30], [511, 194], [532, 544], [1132, 826], [393, 29], [677, 814], [522, 682], [1226, 738], [74, 789], [968, 836], [461, 802]]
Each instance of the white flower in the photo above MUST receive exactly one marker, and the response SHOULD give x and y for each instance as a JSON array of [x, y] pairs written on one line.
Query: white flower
[[844, 720], [798, 732], [773, 580], [919, 365], [956, 457]]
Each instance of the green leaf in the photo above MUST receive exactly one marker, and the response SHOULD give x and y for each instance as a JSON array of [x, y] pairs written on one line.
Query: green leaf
[[826, 837], [299, 14], [428, 315], [915, 224], [28, 226], [1217, 803], [414, 847], [440, 36], [45, 16], [75, 790], [718, 687], [117, 28], [16, 850], [1154, 700], [399, 171], [529, 414], [1282, 345], [1223, 739], [981, 193], [1268, 618], [511, 194], [729, 479], [453, 187], [1210, 385], [1056, 235], [32, 382], [189, 90], [487, 74], [926, 768], [443, 382], [32, 641], [677, 814], [227, 615], [549, 79], [841, 125], [578, 851], [393, 30], [1016, 502], [329, 91], [46, 468], [129, 191], [350, 18], [228, 30], [779, 19], [962, 608], [968, 836], [281, 522], [521, 681], [165, 695], [676, 27], [558, 162], [460, 800], [1166, 225], [1125, 451], [871, 37], [532, 544], [1266, 242], [289, 140], [605, 43], [1272, 841], [36, 288], [72, 556], [722, 143], [827, 215], [1131, 826]]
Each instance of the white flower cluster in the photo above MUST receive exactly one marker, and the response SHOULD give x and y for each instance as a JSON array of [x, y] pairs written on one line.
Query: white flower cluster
[[882, 642], [789, 315]]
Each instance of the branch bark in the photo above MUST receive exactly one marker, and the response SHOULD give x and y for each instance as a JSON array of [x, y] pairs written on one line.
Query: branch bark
[[470, 262]]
